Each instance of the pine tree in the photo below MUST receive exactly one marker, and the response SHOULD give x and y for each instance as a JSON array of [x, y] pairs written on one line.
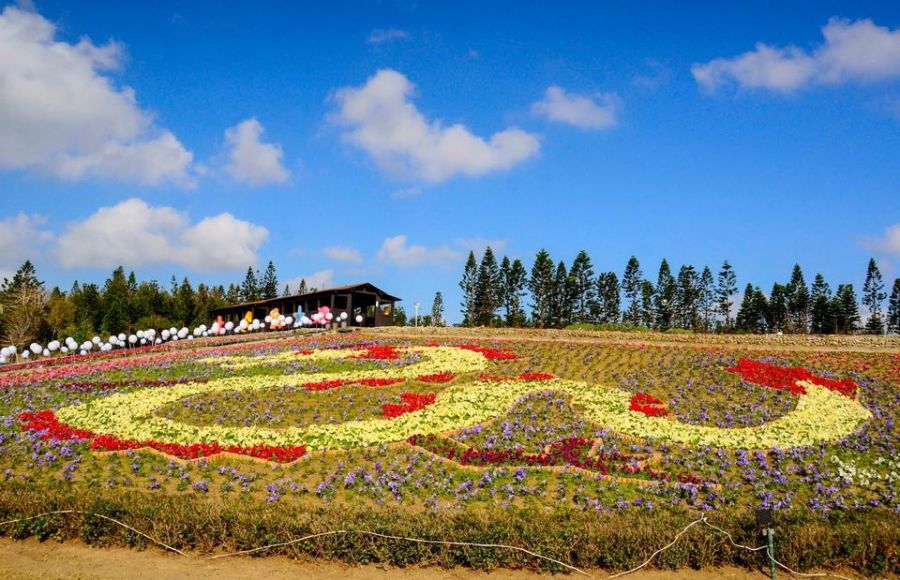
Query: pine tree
[[707, 297], [184, 303], [893, 313], [115, 303], [249, 289], [287, 290], [820, 306], [302, 289], [437, 310], [873, 296], [664, 298], [562, 292], [751, 314], [269, 285], [233, 294], [487, 289], [686, 297], [25, 276], [648, 292], [610, 301], [726, 288], [514, 281], [797, 295], [631, 288], [585, 289], [845, 309], [777, 312], [467, 285], [541, 286]]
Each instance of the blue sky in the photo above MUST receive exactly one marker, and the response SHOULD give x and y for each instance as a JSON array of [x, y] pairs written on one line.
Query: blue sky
[[381, 141]]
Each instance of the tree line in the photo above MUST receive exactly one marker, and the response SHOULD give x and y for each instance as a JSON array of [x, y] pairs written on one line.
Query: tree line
[[557, 296], [29, 312]]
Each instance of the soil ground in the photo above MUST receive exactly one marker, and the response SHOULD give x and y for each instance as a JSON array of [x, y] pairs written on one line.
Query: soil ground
[[50, 560]]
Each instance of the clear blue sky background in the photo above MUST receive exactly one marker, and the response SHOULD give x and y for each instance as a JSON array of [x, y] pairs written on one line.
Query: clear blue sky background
[[762, 177]]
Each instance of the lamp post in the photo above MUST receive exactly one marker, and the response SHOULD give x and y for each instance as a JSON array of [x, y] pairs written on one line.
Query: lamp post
[[765, 520]]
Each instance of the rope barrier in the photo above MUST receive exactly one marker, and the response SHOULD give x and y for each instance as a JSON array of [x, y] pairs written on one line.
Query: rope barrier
[[700, 520]]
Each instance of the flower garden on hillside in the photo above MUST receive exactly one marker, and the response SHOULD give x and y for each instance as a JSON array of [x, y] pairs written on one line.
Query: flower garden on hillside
[[529, 441]]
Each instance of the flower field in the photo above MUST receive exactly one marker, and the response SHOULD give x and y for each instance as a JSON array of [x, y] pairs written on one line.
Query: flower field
[[593, 454]]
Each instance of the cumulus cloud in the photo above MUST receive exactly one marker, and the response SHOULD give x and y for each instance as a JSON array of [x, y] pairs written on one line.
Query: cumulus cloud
[[250, 160], [585, 112], [134, 233], [320, 280], [61, 113], [889, 243], [852, 51], [384, 35], [22, 237], [343, 254], [397, 251], [381, 119]]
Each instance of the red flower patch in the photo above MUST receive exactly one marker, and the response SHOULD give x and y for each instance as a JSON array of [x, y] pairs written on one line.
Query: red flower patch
[[776, 377], [379, 352], [411, 402], [47, 422], [522, 377], [648, 405], [489, 353], [378, 382], [324, 385]]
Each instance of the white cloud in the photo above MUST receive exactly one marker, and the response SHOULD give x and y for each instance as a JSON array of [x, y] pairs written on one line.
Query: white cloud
[[343, 254], [888, 244], [383, 35], [396, 251], [381, 119], [61, 114], [251, 161], [319, 280], [133, 233], [578, 110], [853, 51], [22, 237]]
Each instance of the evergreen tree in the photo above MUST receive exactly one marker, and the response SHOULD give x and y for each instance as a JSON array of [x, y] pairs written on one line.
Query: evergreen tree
[[873, 296], [249, 289], [514, 281], [562, 292], [468, 285], [797, 295], [25, 277], [821, 320], [777, 313], [648, 314], [115, 303], [487, 289], [233, 294], [202, 303], [845, 309], [631, 288], [687, 296], [287, 290], [184, 303], [302, 289], [751, 314], [893, 313], [664, 298], [584, 288], [707, 297], [541, 286], [610, 301], [269, 283], [726, 288], [437, 310]]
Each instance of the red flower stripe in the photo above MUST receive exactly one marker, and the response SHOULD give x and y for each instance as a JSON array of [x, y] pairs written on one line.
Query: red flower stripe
[[776, 377], [522, 377], [379, 352], [51, 428], [489, 353], [436, 378]]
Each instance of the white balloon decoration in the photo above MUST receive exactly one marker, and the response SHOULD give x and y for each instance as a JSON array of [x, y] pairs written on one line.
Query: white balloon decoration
[[64, 350], [344, 316], [359, 318], [25, 354], [53, 345], [96, 340], [35, 348]]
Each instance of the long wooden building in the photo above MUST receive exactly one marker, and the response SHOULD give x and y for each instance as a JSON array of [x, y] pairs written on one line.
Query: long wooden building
[[367, 300]]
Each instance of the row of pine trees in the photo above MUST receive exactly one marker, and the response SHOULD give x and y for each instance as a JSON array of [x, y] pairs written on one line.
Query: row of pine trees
[[121, 304], [497, 294]]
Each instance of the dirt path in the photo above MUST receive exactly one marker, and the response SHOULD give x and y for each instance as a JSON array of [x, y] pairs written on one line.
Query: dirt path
[[50, 560]]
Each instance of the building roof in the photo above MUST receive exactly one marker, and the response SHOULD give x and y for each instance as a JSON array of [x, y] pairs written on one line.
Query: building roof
[[362, 286]]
